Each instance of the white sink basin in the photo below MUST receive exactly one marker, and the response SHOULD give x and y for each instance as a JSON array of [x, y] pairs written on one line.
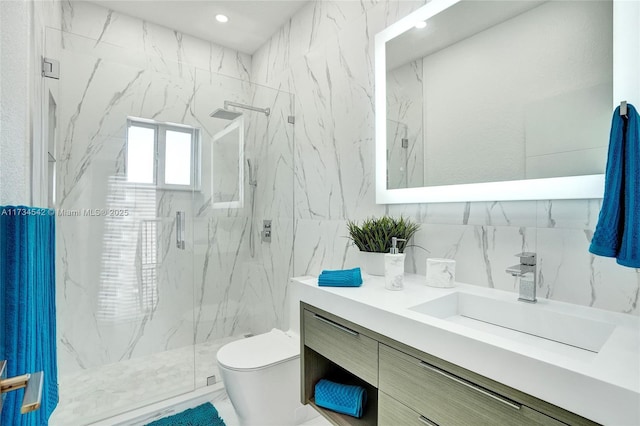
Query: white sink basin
[[518, 320]]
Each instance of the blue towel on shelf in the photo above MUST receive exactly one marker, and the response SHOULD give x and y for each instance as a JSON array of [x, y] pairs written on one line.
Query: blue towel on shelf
[[345, 399], [617, 233], [27, 307], [341, 278]]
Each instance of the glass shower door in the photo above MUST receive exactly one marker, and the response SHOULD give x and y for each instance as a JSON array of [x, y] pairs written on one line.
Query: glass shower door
[[124, 283], [243, 238]]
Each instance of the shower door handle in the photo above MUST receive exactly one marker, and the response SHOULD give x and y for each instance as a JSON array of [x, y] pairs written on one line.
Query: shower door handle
[[180, 230], [32, 398]]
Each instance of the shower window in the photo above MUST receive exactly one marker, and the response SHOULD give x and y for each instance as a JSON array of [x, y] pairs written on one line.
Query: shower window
[[164, 155]]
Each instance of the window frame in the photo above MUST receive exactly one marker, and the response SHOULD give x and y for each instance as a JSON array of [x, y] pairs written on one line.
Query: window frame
[[159, 148]]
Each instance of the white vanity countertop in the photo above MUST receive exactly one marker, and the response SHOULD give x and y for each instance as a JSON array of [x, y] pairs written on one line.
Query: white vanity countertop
[[603, 386]]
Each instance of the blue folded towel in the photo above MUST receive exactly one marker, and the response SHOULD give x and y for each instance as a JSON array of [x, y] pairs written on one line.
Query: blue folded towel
[[345, 399], [341, 278], [617, 233]]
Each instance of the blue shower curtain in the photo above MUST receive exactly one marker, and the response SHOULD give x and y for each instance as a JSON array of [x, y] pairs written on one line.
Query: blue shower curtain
[[27, 307]]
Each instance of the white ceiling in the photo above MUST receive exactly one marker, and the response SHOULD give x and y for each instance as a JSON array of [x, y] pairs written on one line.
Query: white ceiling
[[251, 22]]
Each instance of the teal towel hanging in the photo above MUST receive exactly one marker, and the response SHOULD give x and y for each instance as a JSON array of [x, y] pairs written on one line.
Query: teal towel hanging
[[617, 233]]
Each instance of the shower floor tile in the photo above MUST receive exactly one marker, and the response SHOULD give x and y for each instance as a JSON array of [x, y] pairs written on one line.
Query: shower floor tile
[[91, 395]]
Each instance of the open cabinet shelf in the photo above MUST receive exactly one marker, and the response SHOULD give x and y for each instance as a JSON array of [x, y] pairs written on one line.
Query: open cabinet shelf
[[370, 415]]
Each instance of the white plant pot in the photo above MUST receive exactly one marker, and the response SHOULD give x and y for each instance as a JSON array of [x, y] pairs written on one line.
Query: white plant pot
[[372, 263]]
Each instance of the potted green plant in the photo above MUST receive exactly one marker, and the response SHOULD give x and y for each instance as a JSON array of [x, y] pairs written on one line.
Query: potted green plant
[[373, 238]]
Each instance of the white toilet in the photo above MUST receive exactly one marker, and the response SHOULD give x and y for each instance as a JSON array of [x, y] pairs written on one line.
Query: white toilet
[[262, 376]]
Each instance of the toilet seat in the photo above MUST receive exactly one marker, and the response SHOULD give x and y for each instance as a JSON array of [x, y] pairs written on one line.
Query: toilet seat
[[259, 352]]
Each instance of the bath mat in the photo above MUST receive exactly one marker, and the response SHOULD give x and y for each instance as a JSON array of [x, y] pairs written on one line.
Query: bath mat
[[202, 415]]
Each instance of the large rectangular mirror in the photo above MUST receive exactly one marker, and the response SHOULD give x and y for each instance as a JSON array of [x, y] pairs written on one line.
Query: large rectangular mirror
[[494, 100]]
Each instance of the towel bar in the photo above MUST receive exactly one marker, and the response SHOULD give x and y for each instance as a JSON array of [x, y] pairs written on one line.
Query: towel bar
[[33, 384]]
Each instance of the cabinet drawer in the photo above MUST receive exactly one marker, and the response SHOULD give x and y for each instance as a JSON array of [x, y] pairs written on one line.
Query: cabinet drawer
[[446, 399], [343, 345], [394, 413]]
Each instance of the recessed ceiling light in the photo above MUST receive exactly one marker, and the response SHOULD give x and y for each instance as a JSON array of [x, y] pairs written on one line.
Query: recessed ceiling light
[[421, 24], [222, 18]]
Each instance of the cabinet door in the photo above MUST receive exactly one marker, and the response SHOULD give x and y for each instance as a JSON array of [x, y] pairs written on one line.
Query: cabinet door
[[344, 346], [446, 399]]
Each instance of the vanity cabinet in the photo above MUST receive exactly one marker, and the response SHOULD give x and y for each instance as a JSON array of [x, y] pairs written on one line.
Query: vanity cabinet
[[406, 386]]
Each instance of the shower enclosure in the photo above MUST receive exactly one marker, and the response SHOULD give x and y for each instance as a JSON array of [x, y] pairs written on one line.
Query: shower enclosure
[[159, 255]]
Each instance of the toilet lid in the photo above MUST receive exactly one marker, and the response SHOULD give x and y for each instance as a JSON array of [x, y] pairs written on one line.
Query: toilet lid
[[259, 351]]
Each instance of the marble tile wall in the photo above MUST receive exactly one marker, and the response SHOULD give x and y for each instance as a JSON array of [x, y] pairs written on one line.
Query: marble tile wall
[[113, 67], [162, 49], [324, 54]]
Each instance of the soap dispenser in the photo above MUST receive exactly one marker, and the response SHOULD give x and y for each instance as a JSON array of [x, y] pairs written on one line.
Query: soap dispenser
[[394, 267]]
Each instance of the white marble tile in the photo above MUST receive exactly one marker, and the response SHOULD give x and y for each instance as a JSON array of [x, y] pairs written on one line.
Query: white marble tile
[[269, 61], [482, 253], [165, 50], [316, 24], [334, 139], [491, 213], [270, 147], [95, 105], [236, 290], [573, 214], [568, 272], [416, 212], [83, 18], [385, 13], [94, 394], [321, 22], [500, 213], [110, 300], [323, 244]]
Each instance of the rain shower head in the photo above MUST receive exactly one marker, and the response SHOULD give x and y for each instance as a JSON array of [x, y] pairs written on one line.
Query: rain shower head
[[225, 114]]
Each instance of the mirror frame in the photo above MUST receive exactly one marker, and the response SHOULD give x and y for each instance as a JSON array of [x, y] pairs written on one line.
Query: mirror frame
[[238, 124], [625, 87]]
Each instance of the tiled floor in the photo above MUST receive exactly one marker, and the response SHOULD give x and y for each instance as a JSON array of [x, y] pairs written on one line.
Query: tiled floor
[[228, 414], [92, 395]]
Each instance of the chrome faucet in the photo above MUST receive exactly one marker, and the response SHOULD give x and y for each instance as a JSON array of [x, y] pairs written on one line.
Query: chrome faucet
[[526, 267]]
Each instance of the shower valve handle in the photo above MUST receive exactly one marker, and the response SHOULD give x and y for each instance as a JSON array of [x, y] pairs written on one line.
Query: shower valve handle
[[180, 230]]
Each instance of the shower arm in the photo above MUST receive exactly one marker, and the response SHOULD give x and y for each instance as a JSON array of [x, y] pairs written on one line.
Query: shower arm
[[265, 111]]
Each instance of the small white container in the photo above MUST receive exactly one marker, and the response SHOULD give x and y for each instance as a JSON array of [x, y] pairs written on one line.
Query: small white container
[[441, 272]]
